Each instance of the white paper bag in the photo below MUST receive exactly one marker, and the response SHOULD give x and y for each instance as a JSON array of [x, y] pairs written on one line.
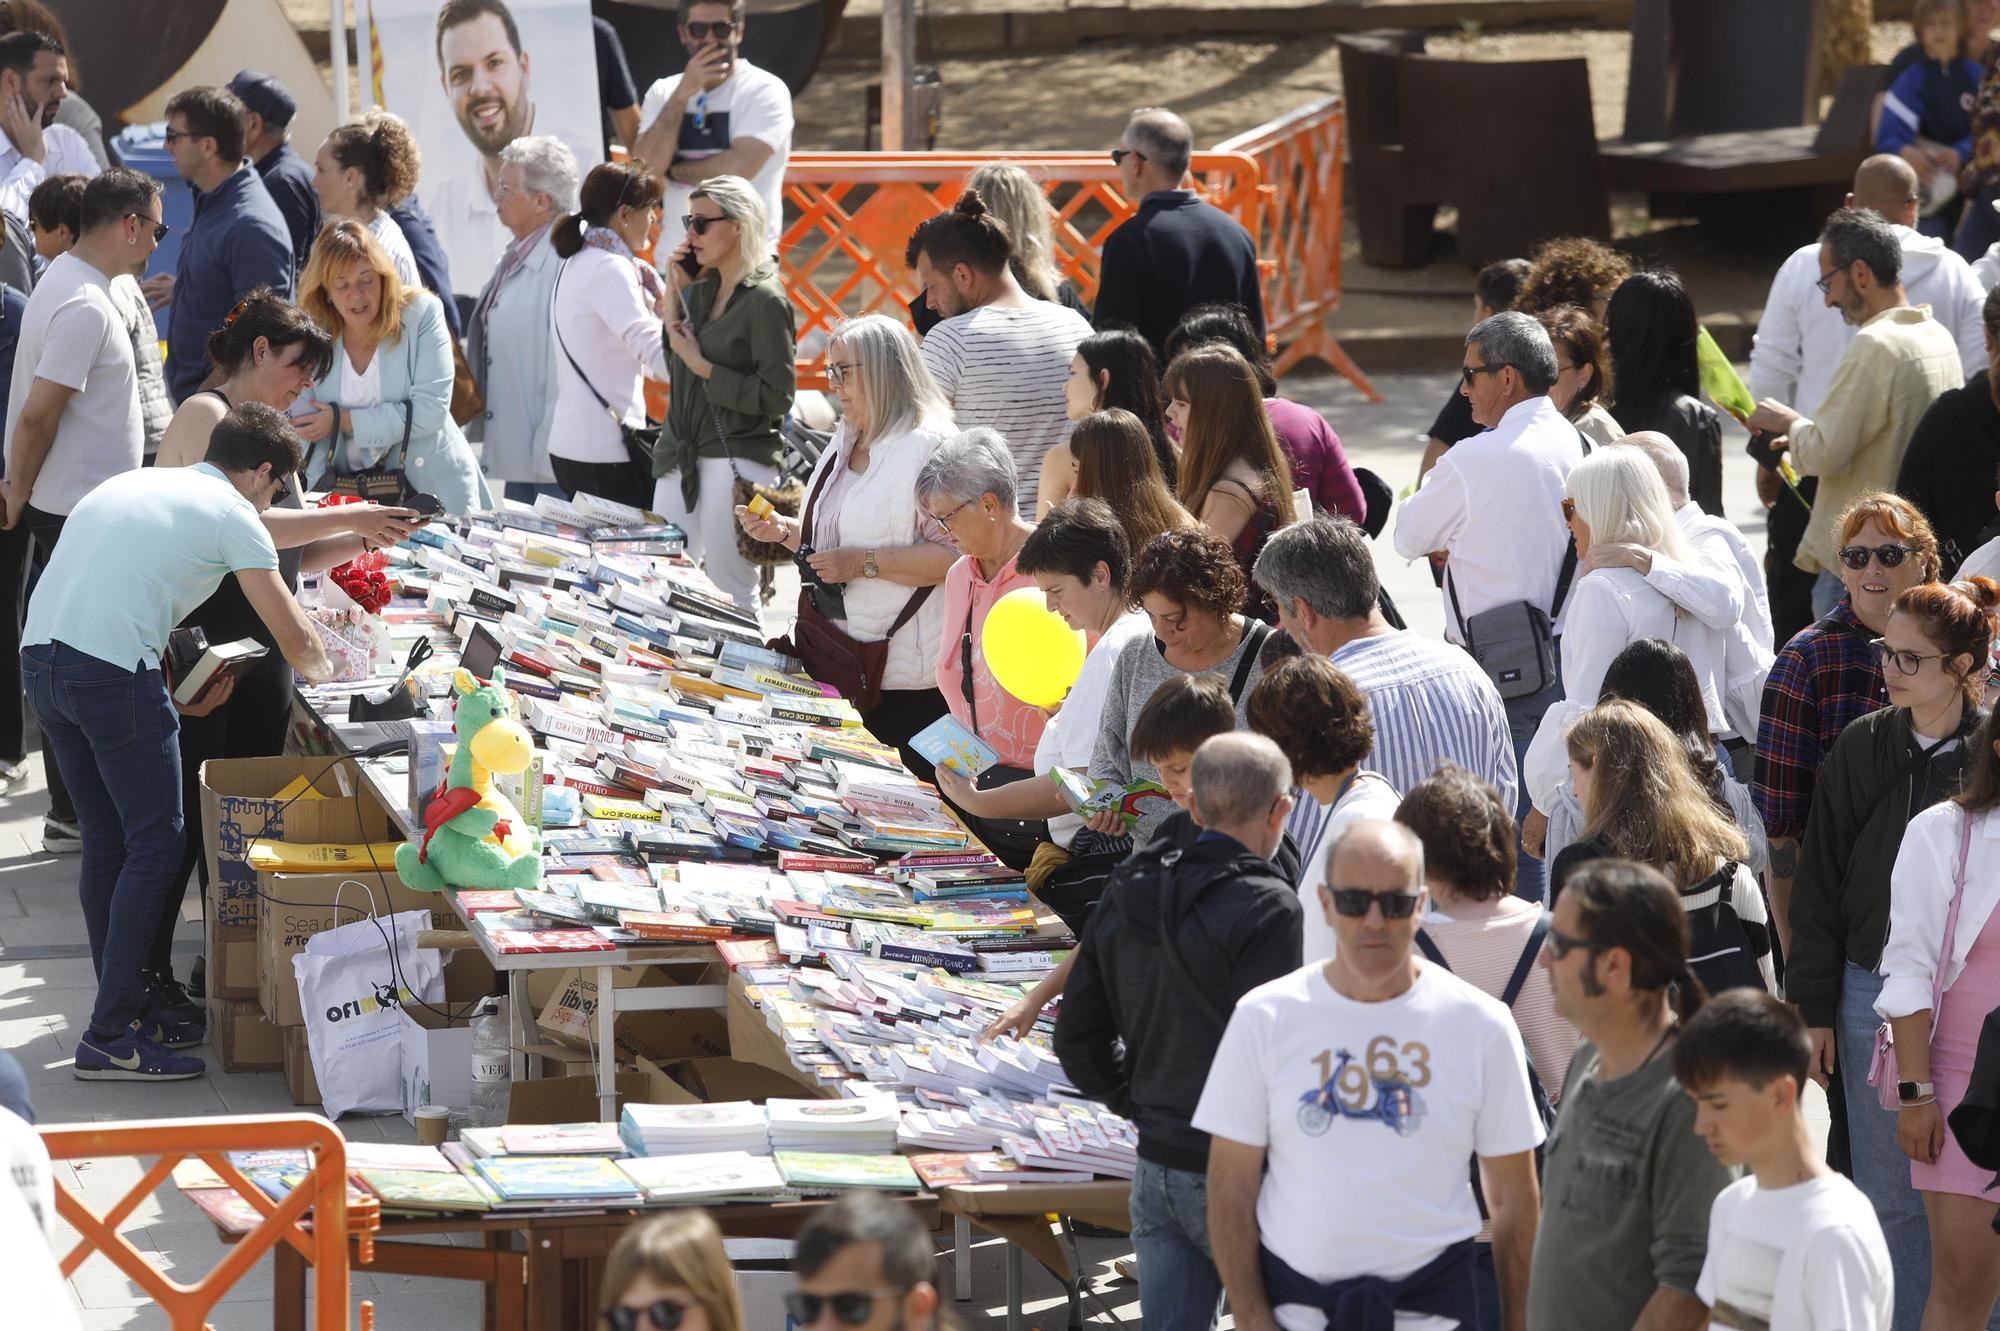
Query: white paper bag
[[350, 993]]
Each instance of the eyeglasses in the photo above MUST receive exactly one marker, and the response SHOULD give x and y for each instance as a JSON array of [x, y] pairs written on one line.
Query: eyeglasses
[[698, 224], [1827, 280], [701, 32], [1467, 372], [1569, 510], [1118, 155], [1890, 556], [664, 1314], [172, 134], [1561, 944], [1906, 663], [160, 229], [1353, 902], [836, 374], [851, 1307], [945, 521]]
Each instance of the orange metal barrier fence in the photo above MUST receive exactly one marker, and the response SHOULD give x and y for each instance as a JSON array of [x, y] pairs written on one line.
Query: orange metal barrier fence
[[324, 1190], [1299, 157]]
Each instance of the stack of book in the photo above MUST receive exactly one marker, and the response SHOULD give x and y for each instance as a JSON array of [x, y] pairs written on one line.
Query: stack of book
[[710, 1176], [814, 1170], [866, 1125], [734, 1126]]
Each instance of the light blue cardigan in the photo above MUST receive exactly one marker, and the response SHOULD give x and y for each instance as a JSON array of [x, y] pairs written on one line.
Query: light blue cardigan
[[415, 369]]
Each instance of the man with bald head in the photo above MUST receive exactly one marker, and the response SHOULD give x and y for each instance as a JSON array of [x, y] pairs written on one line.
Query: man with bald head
[[1801, 339], [1342, 1106], [1178, 937]]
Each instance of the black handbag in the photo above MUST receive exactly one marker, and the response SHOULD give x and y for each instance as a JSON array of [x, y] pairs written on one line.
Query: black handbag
[[378, 484], [640, 440]]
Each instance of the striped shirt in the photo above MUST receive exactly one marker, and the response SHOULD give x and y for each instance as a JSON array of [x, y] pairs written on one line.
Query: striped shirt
[[1431, 704], [1005, 368]]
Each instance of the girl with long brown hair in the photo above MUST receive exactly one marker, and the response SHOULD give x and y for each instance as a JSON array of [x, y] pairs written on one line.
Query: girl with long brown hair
[[1115, 463], [1234, 477]]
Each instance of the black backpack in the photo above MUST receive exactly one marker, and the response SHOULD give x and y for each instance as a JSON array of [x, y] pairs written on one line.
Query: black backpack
[[1544, 1108], [1720, 951]]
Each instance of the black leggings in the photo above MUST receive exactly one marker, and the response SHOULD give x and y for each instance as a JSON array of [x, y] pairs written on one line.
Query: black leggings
[[620, 482]]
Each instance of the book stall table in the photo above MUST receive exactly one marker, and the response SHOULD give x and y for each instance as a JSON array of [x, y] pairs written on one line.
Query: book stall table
[[1019, 1213]]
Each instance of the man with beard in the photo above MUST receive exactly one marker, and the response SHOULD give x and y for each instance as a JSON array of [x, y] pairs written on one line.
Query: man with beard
[[486, 78], [721, 116], [1900, 360], [34, 79]]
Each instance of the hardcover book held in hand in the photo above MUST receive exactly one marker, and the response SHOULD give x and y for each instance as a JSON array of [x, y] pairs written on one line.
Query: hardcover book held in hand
[[192, 663], [947, 743]]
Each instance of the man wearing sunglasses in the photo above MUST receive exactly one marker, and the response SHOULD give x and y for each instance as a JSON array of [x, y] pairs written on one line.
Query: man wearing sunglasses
[[1178, 938], [1342, 1106], [1900, 361], [721, 116], [865, 1263], [1627, 1185]]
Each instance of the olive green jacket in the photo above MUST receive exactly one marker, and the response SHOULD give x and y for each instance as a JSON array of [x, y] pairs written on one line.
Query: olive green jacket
[[751, 344]]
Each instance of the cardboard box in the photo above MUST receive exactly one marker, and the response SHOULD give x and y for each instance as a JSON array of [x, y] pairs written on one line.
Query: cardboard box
[[299, 1069], [294, 907], [570, 1015], [752, 1041], [568, 1099], [238, 809], [246, 1042], [437, 1062]]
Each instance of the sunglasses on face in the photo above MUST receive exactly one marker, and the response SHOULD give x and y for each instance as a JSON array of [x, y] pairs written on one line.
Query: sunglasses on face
[[1561, 944], [663, 1314], [1905, 662], [1890, 556], [1569, 510], [1470, 372], [850, 1307], [160, 229], [1118, 155], [701, 32], [1353, 902], [699, 225]]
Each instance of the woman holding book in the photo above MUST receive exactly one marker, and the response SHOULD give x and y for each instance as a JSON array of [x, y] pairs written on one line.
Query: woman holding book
[[968, 487], [268, 350], [869, 541], [670, 1273]]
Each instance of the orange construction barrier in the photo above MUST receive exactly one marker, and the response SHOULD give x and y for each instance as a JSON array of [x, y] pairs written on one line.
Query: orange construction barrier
[[1299, 157], [324, 1190], [852, 215]]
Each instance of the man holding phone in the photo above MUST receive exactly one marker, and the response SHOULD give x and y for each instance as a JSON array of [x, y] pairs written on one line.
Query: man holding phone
[[721, 116], [34, 79]]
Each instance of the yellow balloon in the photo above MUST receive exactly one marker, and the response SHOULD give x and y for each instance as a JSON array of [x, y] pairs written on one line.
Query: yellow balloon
[[1032, 653]]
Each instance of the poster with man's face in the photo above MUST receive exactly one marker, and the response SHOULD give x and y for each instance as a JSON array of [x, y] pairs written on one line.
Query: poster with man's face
[[463, 73]]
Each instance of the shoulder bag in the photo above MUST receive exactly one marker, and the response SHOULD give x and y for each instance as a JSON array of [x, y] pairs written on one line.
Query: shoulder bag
[[379, 484], [1883, 1072], [830, 654], [639, 441], [1515, 643], [786, 495]]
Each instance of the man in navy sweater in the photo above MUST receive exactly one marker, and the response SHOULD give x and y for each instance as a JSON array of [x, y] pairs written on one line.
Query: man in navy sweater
[[268, 109], [1179, 251]]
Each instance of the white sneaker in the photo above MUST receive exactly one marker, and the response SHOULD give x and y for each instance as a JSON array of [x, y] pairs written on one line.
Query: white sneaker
[[11, 775]]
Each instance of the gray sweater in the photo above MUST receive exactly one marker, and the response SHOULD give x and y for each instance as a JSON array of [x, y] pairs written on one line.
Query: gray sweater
[[1142, 668]]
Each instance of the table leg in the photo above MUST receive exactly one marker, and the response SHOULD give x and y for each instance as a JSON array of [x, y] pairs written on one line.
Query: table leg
[[961, 1241], [607, 1048], [523, 1022], [288, 1290], [544, 1303], [1013, 1288]]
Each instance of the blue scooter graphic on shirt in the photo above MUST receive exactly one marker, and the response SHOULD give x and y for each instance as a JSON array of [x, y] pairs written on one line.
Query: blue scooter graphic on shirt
[[1395, 1103]]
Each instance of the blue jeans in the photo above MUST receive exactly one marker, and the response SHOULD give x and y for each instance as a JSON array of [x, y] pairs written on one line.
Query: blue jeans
[[1881, 1170], [1524, 718], [116, 737], [1179, 1287]]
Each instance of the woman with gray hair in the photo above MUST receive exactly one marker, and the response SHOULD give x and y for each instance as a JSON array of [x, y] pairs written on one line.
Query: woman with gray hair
[[731, 339], [969, 487], [507, 341], [863, 534]]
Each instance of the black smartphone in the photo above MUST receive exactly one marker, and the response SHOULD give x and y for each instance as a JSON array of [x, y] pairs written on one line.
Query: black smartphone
[[689, 264], [428, 505]]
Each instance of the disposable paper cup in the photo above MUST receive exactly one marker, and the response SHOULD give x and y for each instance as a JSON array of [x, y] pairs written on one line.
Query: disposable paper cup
[[433, 1122]]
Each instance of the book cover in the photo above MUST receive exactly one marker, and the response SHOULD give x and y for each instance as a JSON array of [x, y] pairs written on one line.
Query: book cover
[[562, 1139], [947, 743], [826, 1169], [1086, 795], [509, 942], [947, 1169], [557, 1177], [668, 1178], [423, 1189]]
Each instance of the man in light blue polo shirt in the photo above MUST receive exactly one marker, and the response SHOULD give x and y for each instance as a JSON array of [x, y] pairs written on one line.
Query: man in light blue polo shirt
[[138, 553]]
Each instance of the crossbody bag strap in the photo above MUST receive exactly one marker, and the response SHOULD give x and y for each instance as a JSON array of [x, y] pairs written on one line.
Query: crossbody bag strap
[[1428, 946], [965, 668], [1569, 554], [409, 416], [1522, 968], [1253, 644], [1451, 593], [1951, 919]]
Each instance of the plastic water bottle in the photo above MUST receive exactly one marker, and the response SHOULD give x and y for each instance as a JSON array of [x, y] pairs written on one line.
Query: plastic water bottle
[[492, 1060]]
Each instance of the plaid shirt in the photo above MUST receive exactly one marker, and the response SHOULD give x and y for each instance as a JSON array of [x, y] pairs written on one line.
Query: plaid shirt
[[1825, 678]]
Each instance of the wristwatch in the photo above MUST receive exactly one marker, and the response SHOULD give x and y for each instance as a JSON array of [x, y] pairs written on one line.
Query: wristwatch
[[1906, 1091], [868, 569]]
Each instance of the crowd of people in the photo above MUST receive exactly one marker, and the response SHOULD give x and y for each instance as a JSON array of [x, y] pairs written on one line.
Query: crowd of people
[[1523, 943]]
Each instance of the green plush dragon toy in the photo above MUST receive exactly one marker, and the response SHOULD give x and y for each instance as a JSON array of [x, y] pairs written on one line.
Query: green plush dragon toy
[[473, 837]]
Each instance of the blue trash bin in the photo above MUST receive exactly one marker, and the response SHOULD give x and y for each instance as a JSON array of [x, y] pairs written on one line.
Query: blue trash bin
[[144, 148]]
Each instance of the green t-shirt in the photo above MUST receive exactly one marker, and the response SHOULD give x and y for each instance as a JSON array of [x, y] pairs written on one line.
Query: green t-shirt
[[1626, 1191]]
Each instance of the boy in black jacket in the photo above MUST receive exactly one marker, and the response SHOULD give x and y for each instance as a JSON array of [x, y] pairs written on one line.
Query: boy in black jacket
[[1180, 935]]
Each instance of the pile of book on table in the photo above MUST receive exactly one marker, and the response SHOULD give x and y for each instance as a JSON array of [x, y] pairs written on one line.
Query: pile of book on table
[[698, 788]]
